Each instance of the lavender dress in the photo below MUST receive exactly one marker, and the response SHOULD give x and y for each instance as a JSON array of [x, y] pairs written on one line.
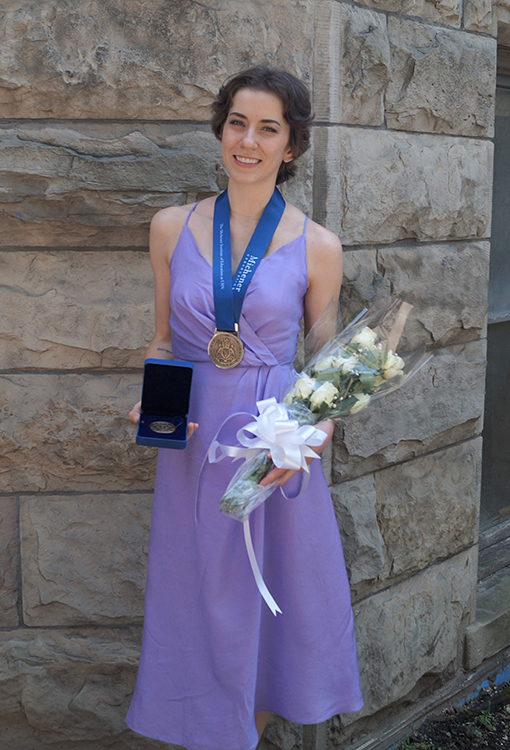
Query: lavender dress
[[212, 653]]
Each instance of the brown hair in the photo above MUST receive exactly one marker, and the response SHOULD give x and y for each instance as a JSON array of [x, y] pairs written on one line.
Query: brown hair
[[295, 98]]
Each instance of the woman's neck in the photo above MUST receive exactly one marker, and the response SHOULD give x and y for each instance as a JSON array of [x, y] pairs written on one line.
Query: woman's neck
[[248, 201]]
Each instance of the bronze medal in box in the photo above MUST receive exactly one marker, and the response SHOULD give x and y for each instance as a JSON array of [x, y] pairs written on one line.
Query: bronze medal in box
[[225, 349]]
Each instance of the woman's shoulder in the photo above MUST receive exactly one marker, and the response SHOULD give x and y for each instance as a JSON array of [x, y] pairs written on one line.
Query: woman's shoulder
[[323, 252], [317, 237], [321, 241], [167, 225], [170, 220]]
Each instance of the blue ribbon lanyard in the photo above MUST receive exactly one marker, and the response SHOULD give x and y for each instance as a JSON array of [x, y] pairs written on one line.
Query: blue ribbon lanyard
[[229, 293]]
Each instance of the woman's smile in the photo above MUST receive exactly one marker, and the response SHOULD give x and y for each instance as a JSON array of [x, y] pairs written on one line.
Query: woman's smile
[[255, 136], [250, 161]]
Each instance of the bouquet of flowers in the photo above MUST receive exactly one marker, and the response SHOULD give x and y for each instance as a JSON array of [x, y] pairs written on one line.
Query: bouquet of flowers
[[349, 372]]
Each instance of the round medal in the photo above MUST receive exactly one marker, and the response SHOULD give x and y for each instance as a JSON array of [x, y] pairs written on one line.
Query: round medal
[[225, 349], [163, 427]]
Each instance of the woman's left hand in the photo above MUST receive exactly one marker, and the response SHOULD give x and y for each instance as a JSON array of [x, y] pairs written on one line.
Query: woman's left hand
[[281, 476]]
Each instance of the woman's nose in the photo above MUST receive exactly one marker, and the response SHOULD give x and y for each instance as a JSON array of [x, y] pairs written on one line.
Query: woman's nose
[[249, 139]]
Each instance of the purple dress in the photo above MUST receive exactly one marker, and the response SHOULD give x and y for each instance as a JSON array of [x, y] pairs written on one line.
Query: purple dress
[[212, 652]]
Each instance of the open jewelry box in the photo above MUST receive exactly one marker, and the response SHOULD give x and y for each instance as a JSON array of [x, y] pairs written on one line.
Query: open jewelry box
[[165, 403]]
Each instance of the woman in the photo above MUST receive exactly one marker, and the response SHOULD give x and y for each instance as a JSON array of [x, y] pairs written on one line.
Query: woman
[[215, 661]]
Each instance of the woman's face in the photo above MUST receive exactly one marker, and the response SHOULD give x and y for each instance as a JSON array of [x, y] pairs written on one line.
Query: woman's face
[[255, 137]]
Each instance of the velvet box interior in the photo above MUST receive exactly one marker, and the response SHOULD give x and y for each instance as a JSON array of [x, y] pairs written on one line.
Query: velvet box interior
[[165, 403]]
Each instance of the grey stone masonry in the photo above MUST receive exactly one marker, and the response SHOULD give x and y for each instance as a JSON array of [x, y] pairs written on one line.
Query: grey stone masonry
[[406, 517], [70, 432], [103, 301], [380, 186], [78, 567], [122, 60]]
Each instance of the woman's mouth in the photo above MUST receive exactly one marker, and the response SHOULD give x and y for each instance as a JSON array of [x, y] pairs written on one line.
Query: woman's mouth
[[247, 160]]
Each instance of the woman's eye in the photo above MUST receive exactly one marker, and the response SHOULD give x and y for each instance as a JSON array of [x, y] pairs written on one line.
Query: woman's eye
[[236, 122], [271, 130]]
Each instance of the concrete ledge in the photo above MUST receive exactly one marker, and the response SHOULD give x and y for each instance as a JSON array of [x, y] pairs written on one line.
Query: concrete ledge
[[490, 633]]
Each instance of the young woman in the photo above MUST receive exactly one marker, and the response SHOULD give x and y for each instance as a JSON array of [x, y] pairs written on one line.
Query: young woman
[[215, 661]]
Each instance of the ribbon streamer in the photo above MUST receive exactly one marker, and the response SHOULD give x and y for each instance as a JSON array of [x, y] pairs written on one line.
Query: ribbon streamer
[[266, 594], [289, 447]]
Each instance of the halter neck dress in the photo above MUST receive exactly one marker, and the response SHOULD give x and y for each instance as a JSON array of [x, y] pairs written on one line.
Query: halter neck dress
[[212, 652]]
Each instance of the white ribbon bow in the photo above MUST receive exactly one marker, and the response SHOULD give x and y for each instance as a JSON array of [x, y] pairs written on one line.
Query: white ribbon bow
[[287, 443], [289, 447]]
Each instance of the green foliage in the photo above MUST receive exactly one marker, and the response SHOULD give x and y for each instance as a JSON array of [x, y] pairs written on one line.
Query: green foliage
[[486, 720], [423, 744]]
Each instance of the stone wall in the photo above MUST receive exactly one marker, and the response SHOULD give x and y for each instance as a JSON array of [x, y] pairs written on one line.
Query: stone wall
[[105, 109]]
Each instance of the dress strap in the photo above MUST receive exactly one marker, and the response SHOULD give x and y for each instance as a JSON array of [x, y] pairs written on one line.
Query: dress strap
[[191, 211], [306, 224]]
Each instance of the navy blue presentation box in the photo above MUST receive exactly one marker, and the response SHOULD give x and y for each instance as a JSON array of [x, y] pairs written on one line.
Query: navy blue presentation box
[[165, 403]]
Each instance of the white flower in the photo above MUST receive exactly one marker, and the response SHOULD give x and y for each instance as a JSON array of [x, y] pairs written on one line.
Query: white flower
[[350, 365], [393, 365], [378, 381], [288, 398], [362, 402], [324, 394], [304, 386], [366, 337], [328, 363]]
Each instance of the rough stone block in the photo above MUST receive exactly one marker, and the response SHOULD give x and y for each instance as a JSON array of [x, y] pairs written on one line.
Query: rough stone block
[[410, 633], [9, 551], [441, 405], [433, 498], [154, 61], [69, 689], [67, 432], [363, 545], [446, 284], [352, 62], [442, 81], [478, 15], [363, 283], [75, 309], [444, 11], [501, 21], [382, 186], [490, 633], [85, 186], [84, 558]]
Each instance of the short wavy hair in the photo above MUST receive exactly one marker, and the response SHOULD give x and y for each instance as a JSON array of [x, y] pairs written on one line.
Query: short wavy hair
[[295, 98]]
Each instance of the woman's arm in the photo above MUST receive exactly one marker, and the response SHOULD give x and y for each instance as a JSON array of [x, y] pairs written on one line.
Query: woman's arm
[[165, 229], [325, 268]]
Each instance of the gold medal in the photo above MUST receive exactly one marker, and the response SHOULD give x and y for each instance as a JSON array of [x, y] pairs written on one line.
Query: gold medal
[[225, 349]]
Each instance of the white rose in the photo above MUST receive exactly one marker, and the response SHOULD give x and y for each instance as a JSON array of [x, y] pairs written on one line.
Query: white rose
[[324, 394], [362, 402], [366, 337], [349, 365], [328, 363], [304, 386], [288, 398], [393, 365]]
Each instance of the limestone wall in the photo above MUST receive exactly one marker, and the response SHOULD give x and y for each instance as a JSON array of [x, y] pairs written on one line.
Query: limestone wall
[[104, 111]]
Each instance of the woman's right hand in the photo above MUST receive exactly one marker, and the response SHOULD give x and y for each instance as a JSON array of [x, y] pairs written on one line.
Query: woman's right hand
[[134, 416]]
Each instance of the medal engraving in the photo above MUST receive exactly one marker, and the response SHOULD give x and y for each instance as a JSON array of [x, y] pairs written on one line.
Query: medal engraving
[[225, 350], [163, 427]]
